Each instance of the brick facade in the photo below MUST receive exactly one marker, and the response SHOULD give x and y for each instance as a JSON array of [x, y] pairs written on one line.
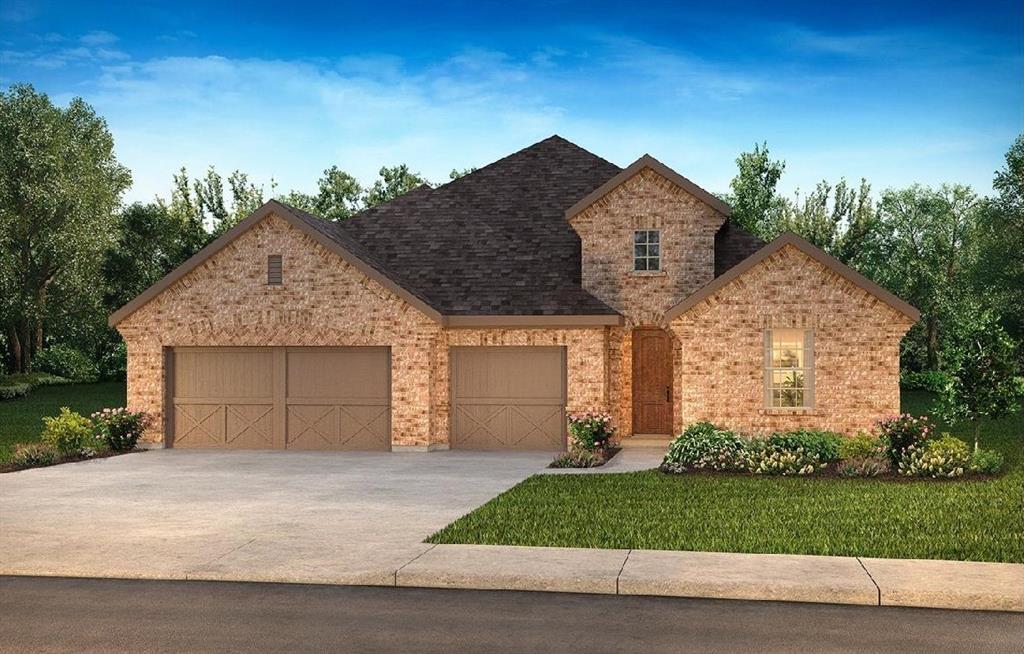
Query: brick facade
[[324, 301], [720, 366], [645, 201], [717, 353]]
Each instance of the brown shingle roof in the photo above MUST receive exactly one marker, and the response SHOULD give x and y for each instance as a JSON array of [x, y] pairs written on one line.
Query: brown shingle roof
[[496, 241]]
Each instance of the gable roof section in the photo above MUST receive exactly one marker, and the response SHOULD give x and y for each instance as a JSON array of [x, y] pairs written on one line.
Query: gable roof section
[[647, 161], [318, 229], [494, 242], [811, 251]]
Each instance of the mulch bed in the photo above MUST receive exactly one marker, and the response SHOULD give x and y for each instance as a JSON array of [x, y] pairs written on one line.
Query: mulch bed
[[832, 472], [10, 467]]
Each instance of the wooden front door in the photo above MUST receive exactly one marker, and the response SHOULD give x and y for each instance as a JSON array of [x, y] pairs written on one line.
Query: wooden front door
[[652, 381]]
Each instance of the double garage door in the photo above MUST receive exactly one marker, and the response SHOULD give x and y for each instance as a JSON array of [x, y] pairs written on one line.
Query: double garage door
[[326, 398], [316, 398]]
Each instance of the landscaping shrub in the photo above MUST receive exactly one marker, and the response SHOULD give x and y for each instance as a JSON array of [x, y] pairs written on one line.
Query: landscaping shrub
[[769, 456], [863, 466], [68, 432], [31, 455], [11, 390], [942, 457], [986, 462], [925, 380], [590, 431], [823, 445], [902, 432], [863, 445], [12, 386], [578, 458], [65, 361], [120, 428], [704, 446]]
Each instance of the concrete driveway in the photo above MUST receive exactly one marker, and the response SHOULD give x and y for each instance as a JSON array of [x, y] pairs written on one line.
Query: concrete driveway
[[262, 516]]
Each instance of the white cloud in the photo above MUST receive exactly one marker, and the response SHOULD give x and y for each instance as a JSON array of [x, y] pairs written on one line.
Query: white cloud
[[98, 37]]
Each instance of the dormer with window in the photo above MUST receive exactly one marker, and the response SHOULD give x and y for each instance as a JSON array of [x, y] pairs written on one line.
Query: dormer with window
[[648, 239]]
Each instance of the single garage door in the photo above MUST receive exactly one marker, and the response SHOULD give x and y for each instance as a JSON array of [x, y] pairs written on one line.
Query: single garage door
[[317, 398], [508, 398]]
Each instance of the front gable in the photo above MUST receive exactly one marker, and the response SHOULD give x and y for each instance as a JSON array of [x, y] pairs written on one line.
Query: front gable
[[647, 197], [225, 298]]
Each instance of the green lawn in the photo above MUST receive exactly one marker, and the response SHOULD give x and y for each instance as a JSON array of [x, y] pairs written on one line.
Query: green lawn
[[21, 418], [971, 520]]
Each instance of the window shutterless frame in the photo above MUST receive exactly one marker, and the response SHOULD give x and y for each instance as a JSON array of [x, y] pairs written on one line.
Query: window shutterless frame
[[789, 368], [646, 250]]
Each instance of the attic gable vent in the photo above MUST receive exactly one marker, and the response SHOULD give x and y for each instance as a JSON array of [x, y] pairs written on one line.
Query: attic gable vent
[[274, 270]]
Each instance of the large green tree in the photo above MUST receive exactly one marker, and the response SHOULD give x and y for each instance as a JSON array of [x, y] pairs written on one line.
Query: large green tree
[[392, 182], [754, 198], [839, 219], [60, 184], [999, 273], [928, 248]]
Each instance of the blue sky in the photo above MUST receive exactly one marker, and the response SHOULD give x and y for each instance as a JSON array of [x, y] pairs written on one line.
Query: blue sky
[[896, 92]]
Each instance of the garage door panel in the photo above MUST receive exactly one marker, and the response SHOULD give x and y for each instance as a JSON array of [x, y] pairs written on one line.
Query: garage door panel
[[331, 398], [214, 372], [533, 424], [508, 398], [249, 426], [351, 373], [198, 425]]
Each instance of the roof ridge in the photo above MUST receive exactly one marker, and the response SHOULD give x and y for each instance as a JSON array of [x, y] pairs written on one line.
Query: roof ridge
[[553, 138]]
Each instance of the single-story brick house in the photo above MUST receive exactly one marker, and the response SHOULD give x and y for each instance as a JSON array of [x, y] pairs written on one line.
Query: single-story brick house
[[476, 314]]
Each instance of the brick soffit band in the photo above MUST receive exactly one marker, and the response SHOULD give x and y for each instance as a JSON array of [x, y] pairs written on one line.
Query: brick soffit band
[[281, 211], [811, 251], [647, 161]]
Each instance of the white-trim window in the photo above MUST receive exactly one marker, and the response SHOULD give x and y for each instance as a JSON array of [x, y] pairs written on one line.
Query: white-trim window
[[646, 250], [789, 368]]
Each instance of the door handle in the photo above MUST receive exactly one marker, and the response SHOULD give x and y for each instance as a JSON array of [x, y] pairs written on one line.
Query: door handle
[[668, 393]]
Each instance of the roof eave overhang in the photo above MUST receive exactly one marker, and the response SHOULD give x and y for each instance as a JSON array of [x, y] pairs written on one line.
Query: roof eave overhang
[[647, 161], [532, 321], [814, 253], [281, 211]]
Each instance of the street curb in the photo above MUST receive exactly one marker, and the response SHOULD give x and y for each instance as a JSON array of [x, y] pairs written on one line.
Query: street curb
[[922, 583]]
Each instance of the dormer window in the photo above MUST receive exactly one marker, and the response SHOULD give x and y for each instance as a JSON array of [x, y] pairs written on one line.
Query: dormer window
[[646, 250], [275, 274]]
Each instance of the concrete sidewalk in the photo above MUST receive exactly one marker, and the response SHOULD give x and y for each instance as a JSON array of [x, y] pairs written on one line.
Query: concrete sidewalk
[[778, 577]]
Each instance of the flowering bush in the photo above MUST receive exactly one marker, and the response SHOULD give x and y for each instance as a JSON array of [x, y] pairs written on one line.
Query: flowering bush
[[771, 456], [822, 445], [590, 431], [120, 428], [903, 432], [942, 457], [704, 446], [31, 455], [986, 462], [68, 432]]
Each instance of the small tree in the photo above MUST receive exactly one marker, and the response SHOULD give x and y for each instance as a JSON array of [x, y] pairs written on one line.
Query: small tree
[[984, 367]]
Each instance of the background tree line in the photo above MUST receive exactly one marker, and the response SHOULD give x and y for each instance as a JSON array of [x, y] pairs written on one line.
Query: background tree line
[[71, 253]]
